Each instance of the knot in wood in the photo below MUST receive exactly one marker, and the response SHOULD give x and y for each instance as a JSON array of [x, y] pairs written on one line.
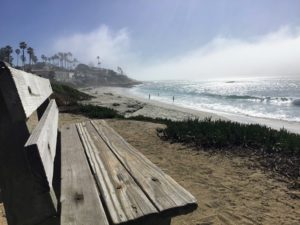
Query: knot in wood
[[78, 197], [29, 90], [154, 179], [134, 208]]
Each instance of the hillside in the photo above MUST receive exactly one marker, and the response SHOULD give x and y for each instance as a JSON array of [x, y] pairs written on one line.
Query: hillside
[[84, 76], [92, 76]]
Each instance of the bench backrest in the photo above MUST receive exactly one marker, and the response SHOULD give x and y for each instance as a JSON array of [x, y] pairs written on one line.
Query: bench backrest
[[27, 160]]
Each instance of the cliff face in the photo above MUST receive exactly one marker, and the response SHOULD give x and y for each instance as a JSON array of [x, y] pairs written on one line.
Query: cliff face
[[85, 76]]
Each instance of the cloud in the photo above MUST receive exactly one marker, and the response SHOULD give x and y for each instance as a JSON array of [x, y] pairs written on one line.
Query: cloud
[[112, 47], [274, 54]]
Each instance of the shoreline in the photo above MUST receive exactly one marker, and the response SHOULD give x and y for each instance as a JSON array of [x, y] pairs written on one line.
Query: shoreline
[[154, 108]]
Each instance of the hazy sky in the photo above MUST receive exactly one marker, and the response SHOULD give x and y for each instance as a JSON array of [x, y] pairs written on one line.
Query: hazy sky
[[163, 39]]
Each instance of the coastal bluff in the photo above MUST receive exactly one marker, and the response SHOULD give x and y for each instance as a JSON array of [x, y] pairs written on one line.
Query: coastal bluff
[[84, 76]]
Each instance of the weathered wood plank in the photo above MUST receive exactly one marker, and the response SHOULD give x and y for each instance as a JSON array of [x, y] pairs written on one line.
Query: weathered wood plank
[[165, 193], [23, 92], [41, 149], [124, 199], [23, 204], [80, 201], [42, 108]]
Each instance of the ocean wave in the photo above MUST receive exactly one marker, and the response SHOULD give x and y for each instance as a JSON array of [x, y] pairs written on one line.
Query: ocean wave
[[250, 97]]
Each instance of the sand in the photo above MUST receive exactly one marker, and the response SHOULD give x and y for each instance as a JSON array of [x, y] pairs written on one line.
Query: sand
[[125, 103], [229, 189]]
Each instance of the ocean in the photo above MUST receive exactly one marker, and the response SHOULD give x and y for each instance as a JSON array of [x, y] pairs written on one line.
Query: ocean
[[270, 98]]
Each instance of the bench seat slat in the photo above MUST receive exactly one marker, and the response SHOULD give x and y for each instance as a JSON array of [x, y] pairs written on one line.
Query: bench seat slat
[[23, 92], [167, 195], [123, 197], [80, 201]]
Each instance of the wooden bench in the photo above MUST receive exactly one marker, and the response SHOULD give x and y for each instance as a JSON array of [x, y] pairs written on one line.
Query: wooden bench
[[86, 174]]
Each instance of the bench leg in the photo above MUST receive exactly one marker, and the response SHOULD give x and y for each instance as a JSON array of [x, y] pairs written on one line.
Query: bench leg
[[165, 221], [152, 221], [51, 221]]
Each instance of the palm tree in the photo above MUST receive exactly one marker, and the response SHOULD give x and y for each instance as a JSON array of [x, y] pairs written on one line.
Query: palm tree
[[70, 55], [52, 59], [65, 57], [75, 61], [34, 59], [23, 46], [61, 58], [8, 51], [56, 57], [18, 51], [43, 57], [30, 53], [98, 58]]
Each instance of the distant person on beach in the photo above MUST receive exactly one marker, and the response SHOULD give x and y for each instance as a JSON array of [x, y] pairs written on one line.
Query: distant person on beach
[[149, 96], [173, 98]]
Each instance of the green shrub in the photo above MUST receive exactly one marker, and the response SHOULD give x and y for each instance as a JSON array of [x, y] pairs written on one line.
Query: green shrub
[[225, 134], [66, 95], [95, 112], [280, 150]]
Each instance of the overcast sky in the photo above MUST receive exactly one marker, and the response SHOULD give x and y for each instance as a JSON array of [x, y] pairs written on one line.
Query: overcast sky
[[163, 39]]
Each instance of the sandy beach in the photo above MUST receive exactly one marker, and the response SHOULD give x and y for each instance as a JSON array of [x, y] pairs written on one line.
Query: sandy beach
[[122, 100], [130, 105]]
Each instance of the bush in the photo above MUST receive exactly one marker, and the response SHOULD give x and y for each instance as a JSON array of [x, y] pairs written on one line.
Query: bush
[[225, 134], [66, 95], [95, 112]]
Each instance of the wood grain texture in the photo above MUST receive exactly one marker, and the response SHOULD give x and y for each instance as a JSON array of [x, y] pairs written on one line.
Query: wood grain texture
[[23, 92], [123, 198], [80, 201], [24, 203], [41, 149], [166, 194]]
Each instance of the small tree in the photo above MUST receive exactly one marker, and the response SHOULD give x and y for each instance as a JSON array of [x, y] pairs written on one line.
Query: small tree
[[44, 58], [30, 53], [8, 51], [34, 59], [18, 51], [99, 63], [23, 46], [120, 70]]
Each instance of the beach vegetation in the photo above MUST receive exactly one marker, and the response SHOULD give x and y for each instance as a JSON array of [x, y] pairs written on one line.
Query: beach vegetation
[[69, 100], [65, 95], [95, 112], [280, 149]]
